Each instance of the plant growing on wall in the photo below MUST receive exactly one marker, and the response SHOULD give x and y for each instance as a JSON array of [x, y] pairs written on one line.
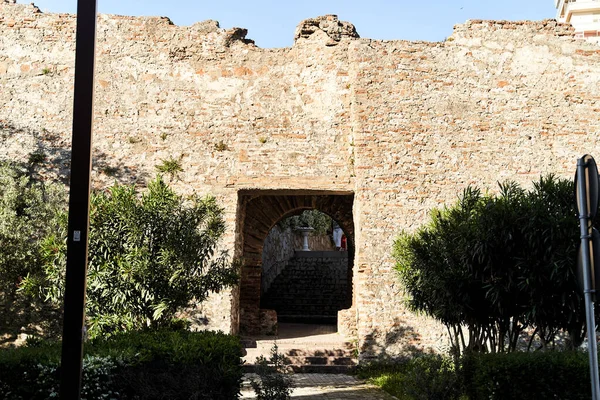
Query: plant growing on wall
[[171, 167], [150, 256]]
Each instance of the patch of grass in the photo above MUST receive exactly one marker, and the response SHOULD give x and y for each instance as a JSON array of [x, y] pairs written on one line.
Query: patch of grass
[[388, 376], [428, 376], [46, 71], [262, 139]]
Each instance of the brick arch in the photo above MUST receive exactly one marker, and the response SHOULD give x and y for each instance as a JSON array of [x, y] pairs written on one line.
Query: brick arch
[[260, 211]]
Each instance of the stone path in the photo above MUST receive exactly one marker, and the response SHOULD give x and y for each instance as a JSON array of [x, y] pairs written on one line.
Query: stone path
[[326, 386]]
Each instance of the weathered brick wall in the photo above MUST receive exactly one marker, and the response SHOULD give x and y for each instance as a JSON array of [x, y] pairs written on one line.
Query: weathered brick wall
[[405, 126]]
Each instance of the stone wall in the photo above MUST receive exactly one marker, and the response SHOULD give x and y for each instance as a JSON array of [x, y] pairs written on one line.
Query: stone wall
[[403, 126], [277, 251]]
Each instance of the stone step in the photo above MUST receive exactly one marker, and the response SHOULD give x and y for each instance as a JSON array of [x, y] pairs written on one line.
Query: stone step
[[265, 351], [315, 360], [313, 344], [310, 369], [323, 369]]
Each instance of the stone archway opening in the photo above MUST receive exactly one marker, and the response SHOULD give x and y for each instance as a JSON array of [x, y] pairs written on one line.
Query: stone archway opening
[[305, 276], [258, 212]]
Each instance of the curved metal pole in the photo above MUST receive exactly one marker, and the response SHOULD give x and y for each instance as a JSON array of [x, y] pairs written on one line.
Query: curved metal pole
[[585, 229]]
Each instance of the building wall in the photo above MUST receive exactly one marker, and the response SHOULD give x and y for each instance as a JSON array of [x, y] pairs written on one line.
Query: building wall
[[405, 126]]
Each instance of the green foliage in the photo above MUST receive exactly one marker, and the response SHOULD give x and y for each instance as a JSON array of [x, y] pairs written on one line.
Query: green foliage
[[422, 378], [537, 375], [273, 383], [141, 365], [170, 167], [149, 257], [489, 266], [29, 212], [321, 222], [517, 375]]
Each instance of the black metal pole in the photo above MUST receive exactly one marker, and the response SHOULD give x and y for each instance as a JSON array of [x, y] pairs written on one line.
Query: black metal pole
[[79, 202], [585, 229]]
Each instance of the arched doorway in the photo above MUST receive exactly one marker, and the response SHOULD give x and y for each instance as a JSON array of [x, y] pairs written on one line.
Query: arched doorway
[[258, 212]]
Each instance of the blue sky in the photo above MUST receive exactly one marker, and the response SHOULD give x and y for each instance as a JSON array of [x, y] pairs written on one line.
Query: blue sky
[[271, 23]]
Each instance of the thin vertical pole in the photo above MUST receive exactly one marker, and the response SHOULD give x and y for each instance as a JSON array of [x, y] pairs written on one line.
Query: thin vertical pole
[[79, 202], [585, 230]]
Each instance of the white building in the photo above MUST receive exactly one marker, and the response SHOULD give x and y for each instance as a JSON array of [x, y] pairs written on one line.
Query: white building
[[584, 15]]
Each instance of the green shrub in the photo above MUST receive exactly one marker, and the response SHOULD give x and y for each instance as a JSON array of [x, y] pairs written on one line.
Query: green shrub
[[538, 375], [141, 365], [177, 365], [499, 376], [490, 265], [29, 212], [432, 377], [388, 376], [273, 384], [150, 256], [425, 377]]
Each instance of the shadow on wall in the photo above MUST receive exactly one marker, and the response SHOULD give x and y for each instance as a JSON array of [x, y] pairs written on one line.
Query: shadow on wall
[[48, 156], [399, 342]]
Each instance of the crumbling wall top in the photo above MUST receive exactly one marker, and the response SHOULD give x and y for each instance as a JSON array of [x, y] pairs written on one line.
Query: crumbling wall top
[[547, 26], [326, 26]]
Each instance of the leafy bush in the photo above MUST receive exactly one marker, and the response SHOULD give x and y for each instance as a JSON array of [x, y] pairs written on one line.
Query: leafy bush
[[422, 378], [489, 266], [141, 365], [499, 376], [536, 375], [273, 383], [29, 211], [432, 377], [31, 373], [149, 257]]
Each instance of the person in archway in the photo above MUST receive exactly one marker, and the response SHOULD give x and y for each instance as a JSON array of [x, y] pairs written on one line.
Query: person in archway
[[337, 235]]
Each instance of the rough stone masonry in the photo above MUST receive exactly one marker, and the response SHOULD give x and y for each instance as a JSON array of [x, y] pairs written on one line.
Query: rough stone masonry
[[394, 128]]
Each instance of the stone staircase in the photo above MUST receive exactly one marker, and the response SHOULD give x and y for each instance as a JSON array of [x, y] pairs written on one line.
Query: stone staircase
[[308, 348], [310, 289]]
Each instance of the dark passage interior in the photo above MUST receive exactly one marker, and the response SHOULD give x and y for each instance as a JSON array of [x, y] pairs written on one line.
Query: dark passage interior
[[312, 286]]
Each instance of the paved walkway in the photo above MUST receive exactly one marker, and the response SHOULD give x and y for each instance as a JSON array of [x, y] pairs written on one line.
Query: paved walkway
[[326, 386]]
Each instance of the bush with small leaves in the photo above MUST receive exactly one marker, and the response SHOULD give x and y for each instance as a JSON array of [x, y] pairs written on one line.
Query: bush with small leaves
[[273, 383]]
